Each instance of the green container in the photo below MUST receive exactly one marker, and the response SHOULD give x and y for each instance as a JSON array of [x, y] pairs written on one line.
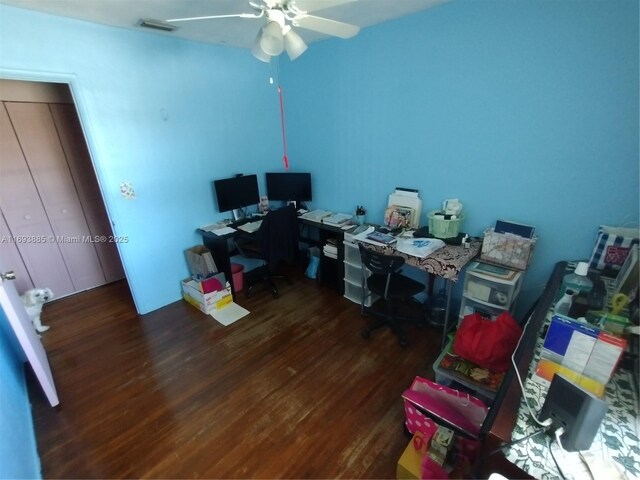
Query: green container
[[441, 228]]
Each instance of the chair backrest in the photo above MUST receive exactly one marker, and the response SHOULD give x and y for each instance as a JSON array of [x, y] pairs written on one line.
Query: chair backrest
[[279, 235], [379, 263]]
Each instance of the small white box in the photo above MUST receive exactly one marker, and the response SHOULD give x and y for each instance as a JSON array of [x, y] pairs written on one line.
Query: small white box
[[205, 302]]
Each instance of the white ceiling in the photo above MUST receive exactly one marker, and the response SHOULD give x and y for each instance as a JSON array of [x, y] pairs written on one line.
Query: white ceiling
[[235, 32]]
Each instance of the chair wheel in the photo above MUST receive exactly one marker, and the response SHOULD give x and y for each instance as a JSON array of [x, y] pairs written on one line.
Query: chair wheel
[[365, 334]]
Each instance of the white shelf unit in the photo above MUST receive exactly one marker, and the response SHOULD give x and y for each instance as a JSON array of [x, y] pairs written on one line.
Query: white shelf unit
[[353, 289], [489, 289]]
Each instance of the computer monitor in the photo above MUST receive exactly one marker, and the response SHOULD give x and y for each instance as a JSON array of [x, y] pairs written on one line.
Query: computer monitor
[[289, 186], [236, 193]]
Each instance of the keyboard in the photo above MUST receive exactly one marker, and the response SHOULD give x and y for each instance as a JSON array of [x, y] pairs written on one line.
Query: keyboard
[[250, 227]]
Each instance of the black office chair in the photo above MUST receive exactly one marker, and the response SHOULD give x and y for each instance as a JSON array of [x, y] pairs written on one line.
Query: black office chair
[[275, 242], [393, 287]]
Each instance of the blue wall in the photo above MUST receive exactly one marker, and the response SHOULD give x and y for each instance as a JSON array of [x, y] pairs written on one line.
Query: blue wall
[[523, 110], [18, 453], [167, 115]]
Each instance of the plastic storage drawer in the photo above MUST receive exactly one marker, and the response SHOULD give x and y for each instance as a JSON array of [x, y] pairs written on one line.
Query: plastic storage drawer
[[468, 307], [498, 294], [353, 273], [352, 253], [353, 292]]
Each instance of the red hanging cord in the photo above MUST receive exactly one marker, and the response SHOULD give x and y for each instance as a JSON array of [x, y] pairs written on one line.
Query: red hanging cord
[[285, 159]]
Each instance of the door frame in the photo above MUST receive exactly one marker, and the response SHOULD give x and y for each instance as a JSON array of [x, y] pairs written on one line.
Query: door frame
[[71, 80]]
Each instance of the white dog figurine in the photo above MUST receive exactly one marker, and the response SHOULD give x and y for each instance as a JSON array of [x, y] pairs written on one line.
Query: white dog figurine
[[33, 300]]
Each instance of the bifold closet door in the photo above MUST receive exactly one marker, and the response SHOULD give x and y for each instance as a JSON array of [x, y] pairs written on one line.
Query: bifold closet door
[[75, 149], [26, 218], [38, 137]]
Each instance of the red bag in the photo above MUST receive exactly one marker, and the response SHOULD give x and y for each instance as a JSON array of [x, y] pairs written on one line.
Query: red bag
[[488, 343]]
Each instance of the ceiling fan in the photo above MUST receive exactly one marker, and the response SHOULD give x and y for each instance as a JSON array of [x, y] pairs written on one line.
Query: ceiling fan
[[281, 16]]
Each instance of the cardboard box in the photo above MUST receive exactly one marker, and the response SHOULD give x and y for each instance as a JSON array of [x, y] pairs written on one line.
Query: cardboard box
[[206, 302], [410, 463], [200, 261]]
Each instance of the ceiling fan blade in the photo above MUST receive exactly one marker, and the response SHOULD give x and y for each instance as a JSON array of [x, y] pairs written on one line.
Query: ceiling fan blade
[[315, 5], [326, 26], [235, 15]]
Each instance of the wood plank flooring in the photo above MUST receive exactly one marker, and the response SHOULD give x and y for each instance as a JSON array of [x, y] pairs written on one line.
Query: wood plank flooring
[[290, 391]]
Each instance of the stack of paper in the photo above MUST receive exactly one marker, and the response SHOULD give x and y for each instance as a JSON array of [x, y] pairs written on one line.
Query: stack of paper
[[419, 247], [337, 219], [330, 249], [316, 215], [408, 198], [251, 226]]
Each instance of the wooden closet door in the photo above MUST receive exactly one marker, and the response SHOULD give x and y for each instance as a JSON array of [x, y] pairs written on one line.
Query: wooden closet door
[[26, 218], [43, 152], [75, 149]]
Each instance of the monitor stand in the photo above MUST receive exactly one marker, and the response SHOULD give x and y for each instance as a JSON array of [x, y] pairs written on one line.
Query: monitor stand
[[238, 214]]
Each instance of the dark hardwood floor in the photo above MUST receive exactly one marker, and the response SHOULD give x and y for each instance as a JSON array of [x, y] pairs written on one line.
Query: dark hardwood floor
[[290, 391]]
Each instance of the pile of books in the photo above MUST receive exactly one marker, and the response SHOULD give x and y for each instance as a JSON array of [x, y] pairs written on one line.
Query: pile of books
[[330, 248]]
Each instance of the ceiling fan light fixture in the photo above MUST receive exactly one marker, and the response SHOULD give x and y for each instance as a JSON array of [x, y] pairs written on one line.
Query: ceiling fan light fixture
[[271, 41], [294, 44], [257, 51]]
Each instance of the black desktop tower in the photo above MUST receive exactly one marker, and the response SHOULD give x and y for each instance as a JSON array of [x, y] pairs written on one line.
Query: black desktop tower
[[575, 409]]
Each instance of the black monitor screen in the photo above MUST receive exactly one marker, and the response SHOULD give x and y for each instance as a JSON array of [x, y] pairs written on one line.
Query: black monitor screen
[[289, 186], [236, 192]]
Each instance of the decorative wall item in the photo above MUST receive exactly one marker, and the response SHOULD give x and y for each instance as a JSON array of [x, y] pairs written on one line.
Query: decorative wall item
[[126, 190]]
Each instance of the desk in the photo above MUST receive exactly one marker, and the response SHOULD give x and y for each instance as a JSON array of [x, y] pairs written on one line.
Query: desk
[[507, 418], [219, 247], [446, 263]]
